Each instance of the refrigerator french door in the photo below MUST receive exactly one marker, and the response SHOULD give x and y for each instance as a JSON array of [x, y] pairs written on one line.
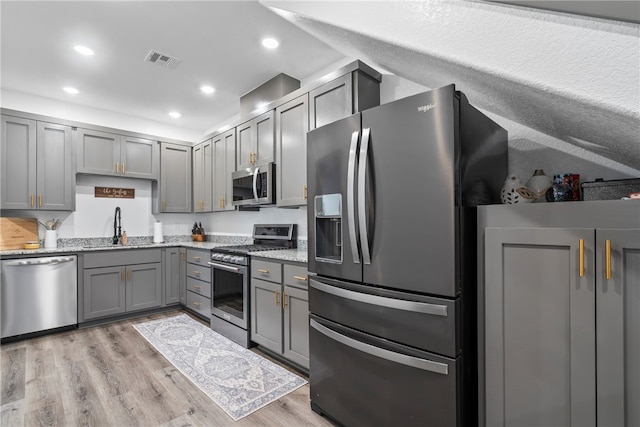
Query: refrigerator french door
[[392, 242]]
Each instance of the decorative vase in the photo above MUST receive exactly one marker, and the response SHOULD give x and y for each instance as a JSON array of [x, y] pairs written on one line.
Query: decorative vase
[[509, 194], [539, 182]]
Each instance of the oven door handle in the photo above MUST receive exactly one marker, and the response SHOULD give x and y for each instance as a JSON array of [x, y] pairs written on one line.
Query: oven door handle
[[392, 356], [224, 267]]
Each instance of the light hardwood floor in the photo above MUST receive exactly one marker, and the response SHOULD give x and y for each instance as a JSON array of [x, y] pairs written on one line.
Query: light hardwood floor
[[110, 376]]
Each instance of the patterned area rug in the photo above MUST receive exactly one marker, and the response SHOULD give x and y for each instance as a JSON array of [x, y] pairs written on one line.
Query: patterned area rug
[[237, 379]]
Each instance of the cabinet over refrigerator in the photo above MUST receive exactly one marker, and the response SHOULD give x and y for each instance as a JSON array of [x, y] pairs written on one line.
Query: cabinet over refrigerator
[[391, 217]]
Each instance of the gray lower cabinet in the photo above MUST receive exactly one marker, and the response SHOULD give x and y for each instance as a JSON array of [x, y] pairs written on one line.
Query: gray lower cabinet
[[618, 326], [559, 337], [173, 192], [37, 165], [280, 309], [183, 276], [198, 283], [172, 278], [121, 282]]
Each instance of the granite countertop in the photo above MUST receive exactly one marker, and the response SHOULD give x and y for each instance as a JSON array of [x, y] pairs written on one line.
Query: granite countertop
[[91, 248], [297, 255], [77, 246]]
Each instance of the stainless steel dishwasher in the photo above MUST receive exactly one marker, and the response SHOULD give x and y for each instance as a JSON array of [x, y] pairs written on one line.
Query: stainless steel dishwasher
[[38, 294]]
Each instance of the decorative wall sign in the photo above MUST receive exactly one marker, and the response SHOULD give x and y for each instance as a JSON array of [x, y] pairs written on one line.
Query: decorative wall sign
[[115, 193]]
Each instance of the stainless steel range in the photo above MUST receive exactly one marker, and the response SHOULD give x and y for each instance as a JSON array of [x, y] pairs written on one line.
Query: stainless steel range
[[230, 274]]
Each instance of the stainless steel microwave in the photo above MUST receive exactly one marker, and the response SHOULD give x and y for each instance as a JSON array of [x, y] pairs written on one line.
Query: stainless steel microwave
[[255, 185]]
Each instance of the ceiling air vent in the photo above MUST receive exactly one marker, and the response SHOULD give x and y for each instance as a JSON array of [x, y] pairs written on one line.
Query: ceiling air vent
[[162, 59]]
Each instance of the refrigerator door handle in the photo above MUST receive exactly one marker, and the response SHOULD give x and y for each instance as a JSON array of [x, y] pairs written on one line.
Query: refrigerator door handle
[[392, 356], [255, 183], [362, 208], [351, 208], [397, 304]]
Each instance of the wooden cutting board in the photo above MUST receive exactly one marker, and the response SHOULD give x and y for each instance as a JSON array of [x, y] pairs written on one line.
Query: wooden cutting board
[[15, 232]]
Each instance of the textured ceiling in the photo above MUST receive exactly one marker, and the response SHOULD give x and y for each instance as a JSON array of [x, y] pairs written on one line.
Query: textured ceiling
[[572, 77]]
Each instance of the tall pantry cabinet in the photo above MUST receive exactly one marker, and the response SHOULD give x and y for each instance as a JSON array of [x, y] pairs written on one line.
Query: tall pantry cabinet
[[559, 314]]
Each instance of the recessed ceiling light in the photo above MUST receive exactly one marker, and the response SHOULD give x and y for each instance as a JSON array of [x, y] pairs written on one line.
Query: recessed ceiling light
[[71, 90], [207, 89], [270, 43], [175, 114], [83, 50]]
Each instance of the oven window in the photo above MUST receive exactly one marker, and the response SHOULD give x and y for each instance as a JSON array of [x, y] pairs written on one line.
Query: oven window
[[228, 292]]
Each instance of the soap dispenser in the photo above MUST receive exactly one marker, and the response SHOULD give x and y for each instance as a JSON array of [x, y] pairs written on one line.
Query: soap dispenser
[[124, 239]]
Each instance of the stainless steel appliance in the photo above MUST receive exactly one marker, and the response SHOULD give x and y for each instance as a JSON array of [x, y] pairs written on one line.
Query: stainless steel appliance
[[255, 185], [38, 294], [230, 273], [391, 216]]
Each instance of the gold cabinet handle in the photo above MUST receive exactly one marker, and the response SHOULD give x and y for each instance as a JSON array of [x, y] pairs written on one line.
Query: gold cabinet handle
[[197, 258], [277, 294], [197, 287], [196, 272], [284, 300], [33, 200], [117, 167], [164, 205], [264, 271], [305, 192], [196, 303], [40, 199], [123, 172], [607, 259], [581, 257], [122, 274], [129, 274], [304, 279]]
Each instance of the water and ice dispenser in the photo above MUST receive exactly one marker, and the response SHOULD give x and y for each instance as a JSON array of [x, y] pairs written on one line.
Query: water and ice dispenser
[[328, 227]]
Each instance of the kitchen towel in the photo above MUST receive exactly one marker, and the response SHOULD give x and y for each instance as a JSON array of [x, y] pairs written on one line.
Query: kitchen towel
[[157, 233]]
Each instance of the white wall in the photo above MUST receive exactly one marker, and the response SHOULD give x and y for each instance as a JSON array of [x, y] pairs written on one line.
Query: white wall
[[48, 107]]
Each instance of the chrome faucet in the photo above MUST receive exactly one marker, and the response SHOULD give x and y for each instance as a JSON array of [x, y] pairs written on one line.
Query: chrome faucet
[[117, 226]]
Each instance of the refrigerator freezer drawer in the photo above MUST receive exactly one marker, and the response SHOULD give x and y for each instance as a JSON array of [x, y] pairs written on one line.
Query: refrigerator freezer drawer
[[427, 323], [389, 384]]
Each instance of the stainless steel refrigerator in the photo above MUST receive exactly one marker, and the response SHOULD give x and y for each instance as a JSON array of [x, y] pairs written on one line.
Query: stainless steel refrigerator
[[392, 241]]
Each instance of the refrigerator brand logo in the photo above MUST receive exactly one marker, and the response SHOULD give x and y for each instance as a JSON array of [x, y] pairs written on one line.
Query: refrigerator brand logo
[[426, 108]]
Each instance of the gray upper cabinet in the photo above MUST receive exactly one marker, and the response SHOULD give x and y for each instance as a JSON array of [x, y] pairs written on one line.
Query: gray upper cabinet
[[617, 326], [224, 159], [140, 158], [255, 140], [37, 165], [98, 152], [203, 177], [175, 179], [103, 153], [342, 97], [292, 125]]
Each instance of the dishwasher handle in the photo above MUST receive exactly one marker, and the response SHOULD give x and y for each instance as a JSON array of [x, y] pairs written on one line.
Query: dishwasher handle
[[37, 261]]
